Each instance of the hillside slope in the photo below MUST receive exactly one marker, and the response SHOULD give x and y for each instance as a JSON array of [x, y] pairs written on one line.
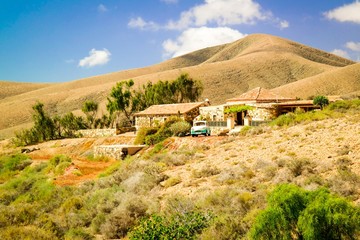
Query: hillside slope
[[8, 89], [226, 71], [343, 80]]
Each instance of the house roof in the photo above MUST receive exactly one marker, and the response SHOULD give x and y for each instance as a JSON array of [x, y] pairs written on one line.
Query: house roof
[[259, 94], [170, 109]]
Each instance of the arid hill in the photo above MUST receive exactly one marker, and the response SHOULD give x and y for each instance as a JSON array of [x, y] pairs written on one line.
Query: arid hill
[[345, 81], [8, 89], [226, 71]]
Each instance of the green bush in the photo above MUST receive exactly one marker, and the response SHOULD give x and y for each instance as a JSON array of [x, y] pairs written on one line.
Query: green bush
[[11, 165], [58, 164], [179, 226], [321, 101], [26, 233], [165, 131], [78, 234], [143, 133], [342, 106], [293, 213], [180, 128], [284, 120]]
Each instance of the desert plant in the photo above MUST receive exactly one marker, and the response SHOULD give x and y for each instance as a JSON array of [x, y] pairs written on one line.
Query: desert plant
[[143, 133], [321, 101], [123, 218], [180, 128], [295, 213], [179, 226], [90, 109], [77, 234]]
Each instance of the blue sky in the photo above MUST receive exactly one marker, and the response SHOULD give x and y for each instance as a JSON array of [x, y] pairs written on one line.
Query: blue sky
[[65, 40]]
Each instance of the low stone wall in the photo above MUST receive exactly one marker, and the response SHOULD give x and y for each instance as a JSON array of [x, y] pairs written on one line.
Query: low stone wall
[[98, 132], [218, 131], [116, 151]]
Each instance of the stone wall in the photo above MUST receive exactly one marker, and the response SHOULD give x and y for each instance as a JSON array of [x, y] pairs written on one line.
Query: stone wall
[[116, 151], [262, 114], [98, 132], [212, 113]]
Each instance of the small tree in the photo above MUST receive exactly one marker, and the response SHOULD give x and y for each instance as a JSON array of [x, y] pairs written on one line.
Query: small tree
[[44, 125], [120, 99], [90, 109], [321, 101]]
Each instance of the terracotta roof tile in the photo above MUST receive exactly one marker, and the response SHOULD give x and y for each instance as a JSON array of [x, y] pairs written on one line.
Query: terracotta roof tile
[[170, 109]]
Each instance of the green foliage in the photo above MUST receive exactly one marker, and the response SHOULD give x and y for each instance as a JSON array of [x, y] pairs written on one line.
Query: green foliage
[[180, 128], [321, 101], [27, 233], [235, 109], [183, 89], [11, 165], [90, 109], [295, 118], [342, 106], [295, 213], [69, 124], [178, 226], [120, 99], [78, 234], [329, 217], [46, 128], [58, 164], [143, 133], [172, 126], [43, 124]]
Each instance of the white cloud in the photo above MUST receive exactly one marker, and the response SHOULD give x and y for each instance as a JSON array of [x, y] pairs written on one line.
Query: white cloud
[[354, 46], [346, 13], [284, 24], [221, 13], [142, 24], [102, 8], [169, 1], [197, 38], [96, 57], [341, 53]]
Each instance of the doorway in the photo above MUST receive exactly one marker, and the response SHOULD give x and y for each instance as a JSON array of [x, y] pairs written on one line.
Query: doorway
[[240, 118]]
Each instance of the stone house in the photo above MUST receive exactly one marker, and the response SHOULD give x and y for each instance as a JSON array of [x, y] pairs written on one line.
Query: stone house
[[252, 108], [157, 114]]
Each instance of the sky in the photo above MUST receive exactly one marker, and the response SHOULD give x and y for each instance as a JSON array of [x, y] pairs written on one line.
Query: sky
[[63, 40]]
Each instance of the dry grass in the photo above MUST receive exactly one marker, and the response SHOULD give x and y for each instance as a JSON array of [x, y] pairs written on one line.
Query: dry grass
[[226, 71]]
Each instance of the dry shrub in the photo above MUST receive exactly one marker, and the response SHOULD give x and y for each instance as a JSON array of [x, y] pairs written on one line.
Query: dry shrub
[[26, 232], [206, 171], [124, 217], [178, 205], [299, 165], [344, 150], [228, 176], [77, 234], [172, 181], [226, 227], [177, 159]]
